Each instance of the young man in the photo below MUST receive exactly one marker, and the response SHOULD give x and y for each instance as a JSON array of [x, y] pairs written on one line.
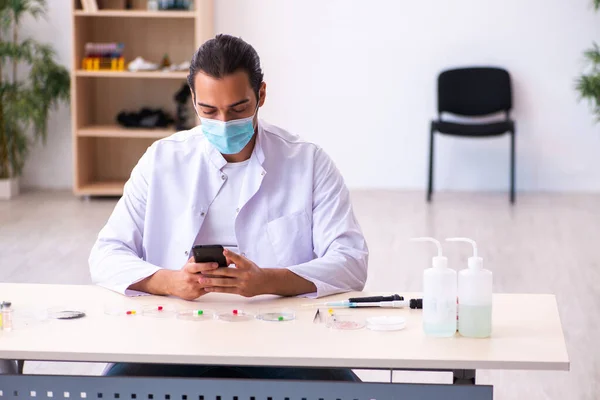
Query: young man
[[276, 202]]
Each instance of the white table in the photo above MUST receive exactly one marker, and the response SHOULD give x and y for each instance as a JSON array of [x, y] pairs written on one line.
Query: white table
[[527, 334]]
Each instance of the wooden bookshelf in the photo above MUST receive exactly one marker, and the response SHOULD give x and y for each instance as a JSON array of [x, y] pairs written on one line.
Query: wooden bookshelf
[[108, 188], [104, 152], [116, 131], [135, 14], [139, 74]]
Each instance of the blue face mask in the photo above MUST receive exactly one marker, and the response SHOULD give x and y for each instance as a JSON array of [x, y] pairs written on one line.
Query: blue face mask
[[229, 137]]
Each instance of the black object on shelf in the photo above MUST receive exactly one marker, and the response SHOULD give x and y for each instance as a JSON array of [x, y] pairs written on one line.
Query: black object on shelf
[[145, 118], [181, 98], [174, 4]]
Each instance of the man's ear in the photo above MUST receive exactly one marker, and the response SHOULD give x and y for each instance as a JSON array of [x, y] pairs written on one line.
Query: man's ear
[[262, 94], [194, 104]]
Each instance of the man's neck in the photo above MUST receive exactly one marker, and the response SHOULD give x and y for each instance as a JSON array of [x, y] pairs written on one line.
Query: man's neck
[[242, 155]]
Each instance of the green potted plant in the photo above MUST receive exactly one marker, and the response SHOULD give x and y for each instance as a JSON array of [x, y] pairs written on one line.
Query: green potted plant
[[24, 103], [588, 84]]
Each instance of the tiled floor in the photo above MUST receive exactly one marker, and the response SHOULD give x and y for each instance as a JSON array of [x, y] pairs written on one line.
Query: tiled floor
[[546, 243]]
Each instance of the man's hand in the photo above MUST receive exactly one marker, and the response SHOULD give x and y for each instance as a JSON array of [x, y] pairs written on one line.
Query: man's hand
[[246, 278], [184, 283]]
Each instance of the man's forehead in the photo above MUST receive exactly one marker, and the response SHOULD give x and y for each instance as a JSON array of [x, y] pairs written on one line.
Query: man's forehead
[[222, 91], [236, 80]]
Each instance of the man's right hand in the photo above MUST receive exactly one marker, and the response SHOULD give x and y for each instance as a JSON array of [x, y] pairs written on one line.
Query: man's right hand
[[183, 283]]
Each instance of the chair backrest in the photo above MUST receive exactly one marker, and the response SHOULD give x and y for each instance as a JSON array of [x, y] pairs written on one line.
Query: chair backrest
[[474, 91]]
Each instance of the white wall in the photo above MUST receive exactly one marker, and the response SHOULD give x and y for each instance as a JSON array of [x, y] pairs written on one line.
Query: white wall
[[358, 77], [52, 166]]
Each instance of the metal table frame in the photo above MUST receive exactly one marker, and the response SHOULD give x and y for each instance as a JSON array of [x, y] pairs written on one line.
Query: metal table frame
[[41, 387]]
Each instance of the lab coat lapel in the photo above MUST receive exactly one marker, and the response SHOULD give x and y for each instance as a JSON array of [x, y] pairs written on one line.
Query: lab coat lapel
[[209, 180], [255, 172]]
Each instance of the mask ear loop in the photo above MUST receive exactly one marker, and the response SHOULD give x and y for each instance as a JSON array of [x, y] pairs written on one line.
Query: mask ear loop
[[256, 112]]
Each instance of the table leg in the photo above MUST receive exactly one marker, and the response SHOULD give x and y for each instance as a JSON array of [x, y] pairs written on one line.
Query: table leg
[[463, 376], [8, 367]]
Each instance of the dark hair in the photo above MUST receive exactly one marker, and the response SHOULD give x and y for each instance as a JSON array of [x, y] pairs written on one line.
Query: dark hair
[[224, 55]]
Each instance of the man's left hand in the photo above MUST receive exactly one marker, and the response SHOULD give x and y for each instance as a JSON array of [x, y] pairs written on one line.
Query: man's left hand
[[246, 278]]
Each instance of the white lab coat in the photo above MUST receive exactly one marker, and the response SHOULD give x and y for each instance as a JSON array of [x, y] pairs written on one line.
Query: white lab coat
[[294, 212]]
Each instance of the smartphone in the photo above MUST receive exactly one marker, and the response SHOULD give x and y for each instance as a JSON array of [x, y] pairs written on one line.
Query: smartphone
[[210, 253]]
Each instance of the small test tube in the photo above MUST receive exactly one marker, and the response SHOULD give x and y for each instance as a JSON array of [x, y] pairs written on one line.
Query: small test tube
[[130, 312], [331, 314]]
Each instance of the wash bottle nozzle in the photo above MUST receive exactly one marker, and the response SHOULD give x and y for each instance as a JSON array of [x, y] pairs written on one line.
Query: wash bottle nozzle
[[475, 261], [439, 261]]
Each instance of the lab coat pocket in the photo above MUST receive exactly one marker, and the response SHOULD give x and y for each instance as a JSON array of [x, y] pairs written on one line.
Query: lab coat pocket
[[291, 238]]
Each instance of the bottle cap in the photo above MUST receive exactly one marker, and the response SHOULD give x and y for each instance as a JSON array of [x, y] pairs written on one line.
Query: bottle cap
[[475, 262], [439, 262]]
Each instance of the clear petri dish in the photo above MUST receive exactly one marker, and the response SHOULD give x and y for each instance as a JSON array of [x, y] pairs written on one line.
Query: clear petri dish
[[119, 311], [345, 322], [158, 311], [197, 315], [386, 323], [276, 315], [65, 313], [27, 318], [235, 315]]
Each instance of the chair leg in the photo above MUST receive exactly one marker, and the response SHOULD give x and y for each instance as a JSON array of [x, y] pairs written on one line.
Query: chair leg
[[430, 183], [20, 366], [512, 167]]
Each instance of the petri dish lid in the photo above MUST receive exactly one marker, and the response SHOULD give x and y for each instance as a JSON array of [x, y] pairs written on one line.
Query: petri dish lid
[[158, 311], [386, 323], [120, 311], [197, 315], [276, 314], [26, 318], [345, 322], [235, 315], [65, 312]]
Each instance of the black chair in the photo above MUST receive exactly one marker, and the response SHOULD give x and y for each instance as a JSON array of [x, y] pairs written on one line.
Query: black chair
[[474, 92]]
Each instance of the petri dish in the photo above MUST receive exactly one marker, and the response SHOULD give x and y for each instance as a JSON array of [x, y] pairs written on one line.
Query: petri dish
[[119, 311], [235, 315], [65, 313], [197, 315], [27, 318], [345, 322], [276, 315], [386, 323], [158, 311]]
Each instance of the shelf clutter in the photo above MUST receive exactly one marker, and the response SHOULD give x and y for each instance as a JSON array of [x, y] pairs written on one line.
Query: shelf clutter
[[103, 56], [92, 6], [129, 83]]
